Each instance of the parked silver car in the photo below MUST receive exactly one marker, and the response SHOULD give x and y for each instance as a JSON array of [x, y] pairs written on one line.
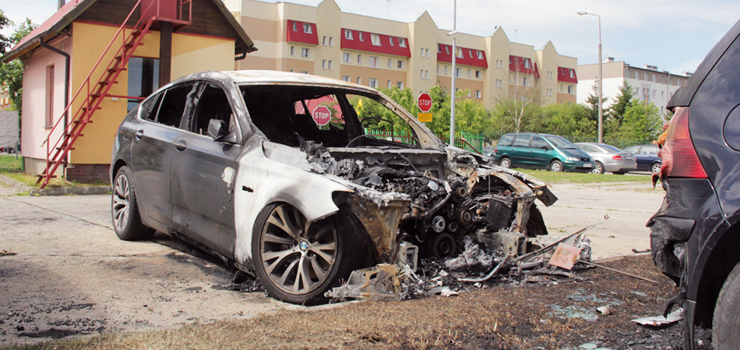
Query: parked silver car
[[274, 173], [608, 158]]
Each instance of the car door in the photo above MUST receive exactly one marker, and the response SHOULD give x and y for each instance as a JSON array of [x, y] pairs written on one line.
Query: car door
[[204, 171], [520, 151], [539, 152], [152, 150]]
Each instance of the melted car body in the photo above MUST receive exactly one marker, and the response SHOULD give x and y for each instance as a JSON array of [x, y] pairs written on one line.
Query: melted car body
[[276, 174]]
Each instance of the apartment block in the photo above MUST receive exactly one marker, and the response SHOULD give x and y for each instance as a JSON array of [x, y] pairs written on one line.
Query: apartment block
[[381, 53], [648, 83]]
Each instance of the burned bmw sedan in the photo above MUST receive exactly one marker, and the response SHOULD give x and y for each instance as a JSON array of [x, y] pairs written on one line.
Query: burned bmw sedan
[[276, 174]]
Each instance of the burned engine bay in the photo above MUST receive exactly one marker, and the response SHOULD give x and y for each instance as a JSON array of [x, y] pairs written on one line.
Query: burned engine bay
[[450, 197]]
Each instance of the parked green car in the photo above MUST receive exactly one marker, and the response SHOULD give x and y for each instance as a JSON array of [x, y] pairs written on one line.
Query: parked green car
[[541, 151]]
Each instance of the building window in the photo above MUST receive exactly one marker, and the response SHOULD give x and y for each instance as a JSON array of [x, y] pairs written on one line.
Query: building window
[[348, 35], [304, 72], [390, 39], [460, 53], [570, 89], [347, 58], [373, 62], [400, 64], [323, 64], [480, 55], [375, 39], [331, 41], [524, 81], [437, 69], [50, 97], [469, 75], [401, 42], [307, 28], [359, 59], [390, 63], [478, 94], [359, 80], [527, 64], [361, 38], [304, 52], [421, 74], [457, 72], [292, 50], [399, 84], [447, 49], [345, 77], [426, 52], [143, 78], [390, 84], [330, 65], [325, 40], [478, 74], [561, 88], [572, 73], [294, 27], [422, 53], [373, 83], [439, 48], [445, 70], [426, 74], [470, 53]]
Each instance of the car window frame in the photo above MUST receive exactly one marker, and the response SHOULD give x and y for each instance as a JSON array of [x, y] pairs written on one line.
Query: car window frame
[[163, 93], [191, 109], [517, 138]]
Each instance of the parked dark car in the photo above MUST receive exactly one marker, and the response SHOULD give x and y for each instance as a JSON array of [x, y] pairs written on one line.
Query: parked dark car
[[272, 172], [647, 157], [541, 151], [608, 158], [695, 236]]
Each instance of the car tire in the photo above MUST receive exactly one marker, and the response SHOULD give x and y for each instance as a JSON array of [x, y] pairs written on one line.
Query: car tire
[[283, 241], [505, 163], [618, 173], [655, 167], [556, 166], [598, 168], [125, 209], [726, 320]]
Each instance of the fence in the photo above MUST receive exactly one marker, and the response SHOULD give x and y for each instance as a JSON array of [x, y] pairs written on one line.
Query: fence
[[10, 158]]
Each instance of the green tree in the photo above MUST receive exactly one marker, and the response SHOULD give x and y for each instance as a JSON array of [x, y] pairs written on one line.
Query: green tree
[[11, 73], [641, 122], [592, 103], [569, 119]]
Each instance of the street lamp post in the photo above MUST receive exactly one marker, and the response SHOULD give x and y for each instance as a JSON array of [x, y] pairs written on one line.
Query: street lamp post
[[601, 78], [454, 72]]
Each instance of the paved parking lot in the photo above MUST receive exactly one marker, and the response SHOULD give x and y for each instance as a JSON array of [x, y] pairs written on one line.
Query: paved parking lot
[[70, 274]]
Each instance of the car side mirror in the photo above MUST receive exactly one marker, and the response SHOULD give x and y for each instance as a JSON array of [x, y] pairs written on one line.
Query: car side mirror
[[217, 129]]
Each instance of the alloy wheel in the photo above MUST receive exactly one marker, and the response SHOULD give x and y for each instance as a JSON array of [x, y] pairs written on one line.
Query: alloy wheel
[[121, 207]]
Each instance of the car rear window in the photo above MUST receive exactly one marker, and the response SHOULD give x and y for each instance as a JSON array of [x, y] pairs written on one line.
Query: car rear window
[[173, 105], [505, 140]]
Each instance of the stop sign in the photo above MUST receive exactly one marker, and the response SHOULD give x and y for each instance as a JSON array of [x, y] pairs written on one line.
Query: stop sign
[[424, 102], [321, 115]]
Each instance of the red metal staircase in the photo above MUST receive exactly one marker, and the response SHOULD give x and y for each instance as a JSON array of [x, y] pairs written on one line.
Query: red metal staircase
[[92, 92]]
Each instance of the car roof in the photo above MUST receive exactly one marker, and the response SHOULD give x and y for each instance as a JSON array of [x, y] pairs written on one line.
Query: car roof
[[260, 77]]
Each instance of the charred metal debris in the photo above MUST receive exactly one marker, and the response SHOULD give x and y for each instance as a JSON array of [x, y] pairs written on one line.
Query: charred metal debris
[[434, 233]]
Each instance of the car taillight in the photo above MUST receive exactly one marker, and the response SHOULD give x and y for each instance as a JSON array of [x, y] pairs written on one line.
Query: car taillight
[[495, 150], [679, 155], [617, 157]]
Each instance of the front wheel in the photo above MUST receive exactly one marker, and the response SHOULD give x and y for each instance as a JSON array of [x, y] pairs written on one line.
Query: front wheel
[[655, 168], [556, 166], [125, 210], [598, 168], [726, 321], [297, 260]]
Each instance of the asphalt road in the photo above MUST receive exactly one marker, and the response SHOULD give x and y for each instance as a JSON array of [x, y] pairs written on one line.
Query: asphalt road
[[68, 274]]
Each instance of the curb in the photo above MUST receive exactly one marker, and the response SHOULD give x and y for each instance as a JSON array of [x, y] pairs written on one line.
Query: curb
[[60, 191]]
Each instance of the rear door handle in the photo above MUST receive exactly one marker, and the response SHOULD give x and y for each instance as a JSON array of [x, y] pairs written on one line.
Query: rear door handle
[[139, 134], [180, 145]]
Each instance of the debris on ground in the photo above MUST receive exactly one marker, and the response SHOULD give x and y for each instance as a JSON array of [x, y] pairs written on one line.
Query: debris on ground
[[660, 320], [7, 252]]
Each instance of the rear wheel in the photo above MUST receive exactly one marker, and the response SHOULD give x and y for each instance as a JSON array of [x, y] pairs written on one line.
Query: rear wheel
[[125, 210], [556, 166], [726, 321], [505, 163], [655, 168], [598, 168], [297, 260]]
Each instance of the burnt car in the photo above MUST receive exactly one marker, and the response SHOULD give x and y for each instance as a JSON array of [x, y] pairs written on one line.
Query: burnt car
[[274, 173], [695, 236]]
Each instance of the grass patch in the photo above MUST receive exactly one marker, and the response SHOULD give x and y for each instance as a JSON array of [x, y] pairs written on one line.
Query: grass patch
[[30, 180], [567, 177], [7, 252], [10, 162]]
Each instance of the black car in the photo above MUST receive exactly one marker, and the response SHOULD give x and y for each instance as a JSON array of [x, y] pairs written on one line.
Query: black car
[[273, 173], [695, 236], [646, 157]]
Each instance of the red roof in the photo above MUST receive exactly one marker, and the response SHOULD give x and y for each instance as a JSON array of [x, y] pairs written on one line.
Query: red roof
[[470, 57], [297, 32], [374, 42], [56, 17], [523, 65], [567, 75]]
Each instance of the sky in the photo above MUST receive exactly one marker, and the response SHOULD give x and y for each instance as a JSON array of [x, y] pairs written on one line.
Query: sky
[[673, 35]]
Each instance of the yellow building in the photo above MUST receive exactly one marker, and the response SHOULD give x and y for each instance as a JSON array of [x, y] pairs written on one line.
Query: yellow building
[[161, 41], [382, 53]]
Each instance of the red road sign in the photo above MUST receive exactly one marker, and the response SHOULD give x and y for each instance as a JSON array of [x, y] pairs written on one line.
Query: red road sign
[[424, 102], [321, 115]]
